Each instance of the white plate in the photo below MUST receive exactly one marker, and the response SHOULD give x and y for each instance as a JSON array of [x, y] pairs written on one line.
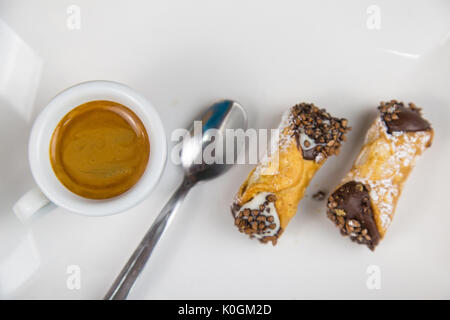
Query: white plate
[[268, 55]]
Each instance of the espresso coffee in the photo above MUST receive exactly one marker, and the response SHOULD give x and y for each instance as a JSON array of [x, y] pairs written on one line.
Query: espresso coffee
[[99, 150]]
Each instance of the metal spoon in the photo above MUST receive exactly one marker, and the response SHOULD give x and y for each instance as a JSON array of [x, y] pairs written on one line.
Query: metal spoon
[[226, 114]]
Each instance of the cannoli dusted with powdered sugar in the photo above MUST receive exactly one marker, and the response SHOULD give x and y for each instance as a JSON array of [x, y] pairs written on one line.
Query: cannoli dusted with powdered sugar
[[363, 205], [269, 197]]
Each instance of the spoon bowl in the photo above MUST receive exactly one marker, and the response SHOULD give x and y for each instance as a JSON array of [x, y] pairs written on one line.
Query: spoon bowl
[[210, 133], [202, 158]]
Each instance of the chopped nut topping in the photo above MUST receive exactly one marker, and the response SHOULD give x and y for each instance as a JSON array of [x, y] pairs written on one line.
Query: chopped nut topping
[[350, 210], [325, 131], [257, 222]]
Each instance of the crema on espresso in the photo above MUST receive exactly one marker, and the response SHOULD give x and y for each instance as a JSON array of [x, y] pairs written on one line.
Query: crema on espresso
[[99, 150]]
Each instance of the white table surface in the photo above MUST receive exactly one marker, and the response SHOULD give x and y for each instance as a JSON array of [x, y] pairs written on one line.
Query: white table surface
[[268, 55]]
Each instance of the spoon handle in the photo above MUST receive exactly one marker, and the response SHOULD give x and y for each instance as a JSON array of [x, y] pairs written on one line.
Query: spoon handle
[[130, 272]]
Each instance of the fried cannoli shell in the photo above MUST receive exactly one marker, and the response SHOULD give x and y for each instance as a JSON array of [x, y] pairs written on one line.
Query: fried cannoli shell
[[363, 205], [269, 197]]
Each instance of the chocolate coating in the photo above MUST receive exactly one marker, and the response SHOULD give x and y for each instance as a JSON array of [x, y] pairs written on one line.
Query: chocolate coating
[[350, 203], [399, 118], [308, 154]]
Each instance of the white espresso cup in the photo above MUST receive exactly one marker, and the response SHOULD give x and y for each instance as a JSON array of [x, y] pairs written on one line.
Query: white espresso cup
[[50, 190]]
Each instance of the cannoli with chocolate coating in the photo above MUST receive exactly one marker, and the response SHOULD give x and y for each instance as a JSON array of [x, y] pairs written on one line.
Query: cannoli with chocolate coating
[[269, 197], [363, 205]]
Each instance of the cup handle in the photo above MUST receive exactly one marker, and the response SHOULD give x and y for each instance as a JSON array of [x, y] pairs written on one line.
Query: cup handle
[[30, 203]]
